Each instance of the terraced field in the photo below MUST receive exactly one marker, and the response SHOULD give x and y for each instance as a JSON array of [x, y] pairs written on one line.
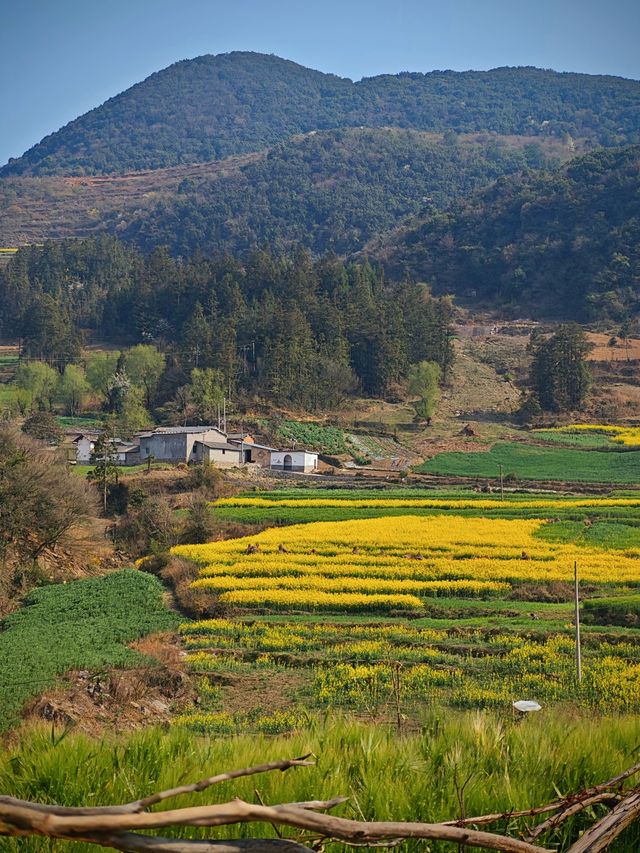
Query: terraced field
[[458, 600]]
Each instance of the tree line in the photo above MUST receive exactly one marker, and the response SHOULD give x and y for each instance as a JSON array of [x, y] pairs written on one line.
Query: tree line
[[293, 329]]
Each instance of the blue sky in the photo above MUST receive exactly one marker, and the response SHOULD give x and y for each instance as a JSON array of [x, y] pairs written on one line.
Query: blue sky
[[60, 58]]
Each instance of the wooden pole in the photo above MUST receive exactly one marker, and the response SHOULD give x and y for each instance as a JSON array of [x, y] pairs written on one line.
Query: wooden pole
[[577, 620], [501, 484]]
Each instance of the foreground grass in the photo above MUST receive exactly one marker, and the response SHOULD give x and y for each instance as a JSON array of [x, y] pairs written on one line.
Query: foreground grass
[[528, 462], [84, 624], [510, 765]]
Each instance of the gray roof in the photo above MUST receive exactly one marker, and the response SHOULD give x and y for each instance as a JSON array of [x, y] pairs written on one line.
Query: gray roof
[[249, 444], [185, 429], [222, 445]]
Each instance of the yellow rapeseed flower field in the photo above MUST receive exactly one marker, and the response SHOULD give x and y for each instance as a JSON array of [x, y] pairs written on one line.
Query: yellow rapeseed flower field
[[346, 565]]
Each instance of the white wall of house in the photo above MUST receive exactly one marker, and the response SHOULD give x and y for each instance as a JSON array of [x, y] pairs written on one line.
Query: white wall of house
[[84, 449], [294, 460]]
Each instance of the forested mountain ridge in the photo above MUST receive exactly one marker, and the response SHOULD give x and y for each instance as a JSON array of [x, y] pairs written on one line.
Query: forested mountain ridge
[[564, 244], [327, 190], [212, 107]]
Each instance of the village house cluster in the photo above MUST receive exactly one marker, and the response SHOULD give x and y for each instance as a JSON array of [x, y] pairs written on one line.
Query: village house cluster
[[193, 444]]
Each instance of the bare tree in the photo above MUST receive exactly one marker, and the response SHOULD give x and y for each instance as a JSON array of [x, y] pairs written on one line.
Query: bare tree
[[40, 500]]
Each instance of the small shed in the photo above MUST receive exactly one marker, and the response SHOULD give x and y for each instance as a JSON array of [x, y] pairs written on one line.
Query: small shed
[[254, 453], [302, 461], [220, 453]]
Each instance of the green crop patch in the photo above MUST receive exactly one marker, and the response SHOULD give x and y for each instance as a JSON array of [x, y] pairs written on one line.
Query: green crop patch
[[529, 462], [85, 624]]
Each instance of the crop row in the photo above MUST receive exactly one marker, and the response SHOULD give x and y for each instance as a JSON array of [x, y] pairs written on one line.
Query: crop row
[[424, 503], [353, 665], [366, 585], [629, 436]]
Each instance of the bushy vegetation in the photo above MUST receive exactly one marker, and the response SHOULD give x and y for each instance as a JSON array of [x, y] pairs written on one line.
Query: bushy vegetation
[[563, 244], [40, 501], [212, 106], [83, 624]]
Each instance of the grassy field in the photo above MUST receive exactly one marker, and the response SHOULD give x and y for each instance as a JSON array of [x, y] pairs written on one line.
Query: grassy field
[[83, 470], [509, 765], [530, 462], [83, 624]]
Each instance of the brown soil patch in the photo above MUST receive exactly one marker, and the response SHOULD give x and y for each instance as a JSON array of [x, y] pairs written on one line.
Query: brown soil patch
[[622, 351], [269, 691], [120, 700]]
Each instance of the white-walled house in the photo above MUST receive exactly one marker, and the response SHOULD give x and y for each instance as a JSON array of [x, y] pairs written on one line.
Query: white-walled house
[[305, 461]]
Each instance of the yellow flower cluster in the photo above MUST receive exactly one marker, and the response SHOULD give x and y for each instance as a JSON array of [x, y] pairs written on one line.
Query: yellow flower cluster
[[285, 636], [367, 584], [313, 600], [629, 436]]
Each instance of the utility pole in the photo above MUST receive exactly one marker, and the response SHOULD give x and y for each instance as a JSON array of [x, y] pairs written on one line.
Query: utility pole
[[501, 484], [577, 621]]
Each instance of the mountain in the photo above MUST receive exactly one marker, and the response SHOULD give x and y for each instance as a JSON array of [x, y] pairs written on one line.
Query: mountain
[[327, 190], [562, 245], [214, 107]]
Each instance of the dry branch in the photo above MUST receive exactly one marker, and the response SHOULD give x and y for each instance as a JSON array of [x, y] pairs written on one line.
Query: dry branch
[[118, 827]]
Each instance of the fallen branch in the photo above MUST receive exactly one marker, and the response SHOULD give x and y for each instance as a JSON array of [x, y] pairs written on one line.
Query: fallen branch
[[122, 827]]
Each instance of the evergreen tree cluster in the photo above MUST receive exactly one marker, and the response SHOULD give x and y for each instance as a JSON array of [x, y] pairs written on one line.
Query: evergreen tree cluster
[[285, 326]]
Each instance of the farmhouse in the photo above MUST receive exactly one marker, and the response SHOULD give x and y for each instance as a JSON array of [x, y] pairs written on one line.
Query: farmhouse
[[177, 444], [305, 461]]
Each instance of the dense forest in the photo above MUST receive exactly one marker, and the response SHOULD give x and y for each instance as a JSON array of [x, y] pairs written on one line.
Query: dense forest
[[564, 244], [330, 191], [215, 106], [301, 331]]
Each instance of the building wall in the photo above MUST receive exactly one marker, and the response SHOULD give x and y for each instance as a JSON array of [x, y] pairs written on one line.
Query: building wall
[[221, 458], [84, 449], [299, 460], [170, 447], [258, 455]]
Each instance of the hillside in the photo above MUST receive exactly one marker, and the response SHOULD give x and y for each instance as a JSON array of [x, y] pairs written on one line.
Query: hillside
[[326, 190], [563, 244], [213, 107]]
